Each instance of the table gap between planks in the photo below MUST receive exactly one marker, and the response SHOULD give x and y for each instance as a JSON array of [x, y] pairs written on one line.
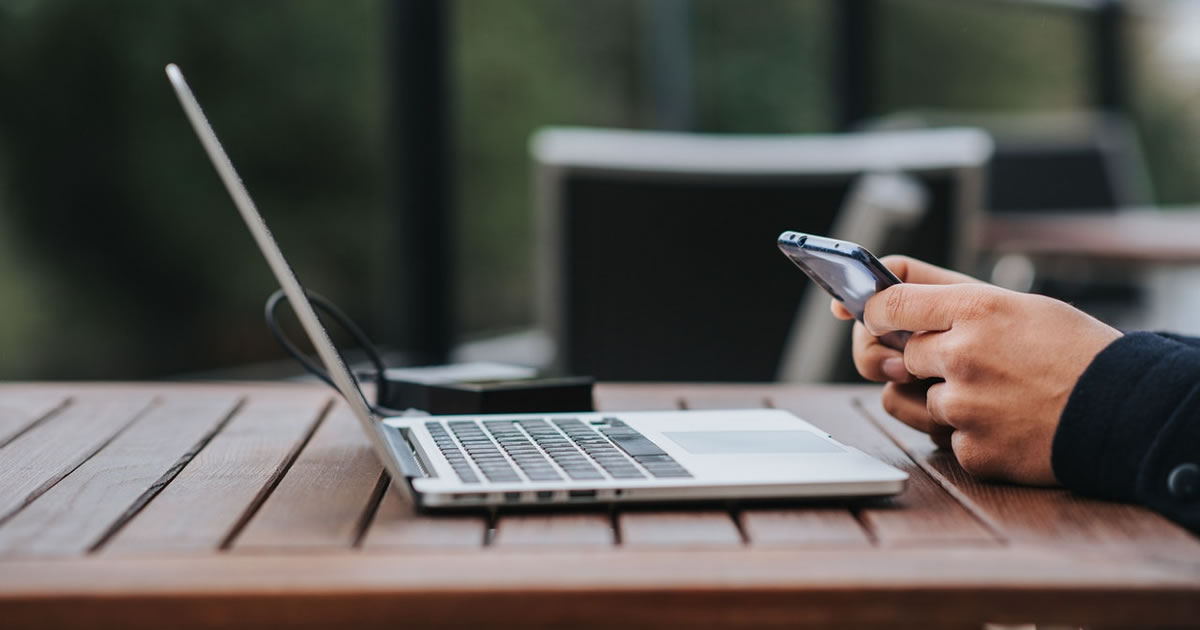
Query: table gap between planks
[[125, 505]]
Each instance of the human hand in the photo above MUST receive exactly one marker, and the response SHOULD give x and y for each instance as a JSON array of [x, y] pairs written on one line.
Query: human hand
[[872, 359], [878, 362], [1008, 362]]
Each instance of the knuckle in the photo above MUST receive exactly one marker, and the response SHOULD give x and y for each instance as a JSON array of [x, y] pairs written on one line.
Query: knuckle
[[863, 367], [891, 401], [967, 453], [864, 360], [958, 357], [954, 407], [867, 369], [982, 302], [976, 305], [972, 456], [897, 302]]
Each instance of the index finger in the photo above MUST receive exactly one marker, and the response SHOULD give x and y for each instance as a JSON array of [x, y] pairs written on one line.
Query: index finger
[[839, 310], [920, 272], [921, 307]]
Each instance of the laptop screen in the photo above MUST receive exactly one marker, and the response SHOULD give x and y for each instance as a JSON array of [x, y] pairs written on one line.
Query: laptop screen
[[334, 364]]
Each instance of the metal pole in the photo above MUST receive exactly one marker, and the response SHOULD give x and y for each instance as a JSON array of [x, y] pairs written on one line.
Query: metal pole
[[667, 63], [854, 60], [1108, 43], [420, 306]]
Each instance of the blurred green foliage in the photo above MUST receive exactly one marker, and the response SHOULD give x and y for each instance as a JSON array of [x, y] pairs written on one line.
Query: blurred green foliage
[[985, 56], [122, 257], [133, 260]]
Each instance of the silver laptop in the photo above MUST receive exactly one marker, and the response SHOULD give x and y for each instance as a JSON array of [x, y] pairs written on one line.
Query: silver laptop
[[573, 458]]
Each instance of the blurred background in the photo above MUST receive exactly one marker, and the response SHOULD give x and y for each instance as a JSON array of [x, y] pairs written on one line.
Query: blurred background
[[386, 142]]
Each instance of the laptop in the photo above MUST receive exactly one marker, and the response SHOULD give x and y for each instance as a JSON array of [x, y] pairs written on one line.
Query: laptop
[[539, 459]]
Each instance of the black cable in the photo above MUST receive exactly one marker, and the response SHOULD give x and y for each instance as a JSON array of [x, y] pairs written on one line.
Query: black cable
[[320, 303]]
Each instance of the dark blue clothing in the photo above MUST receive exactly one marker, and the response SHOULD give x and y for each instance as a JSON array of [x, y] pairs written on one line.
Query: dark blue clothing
[[1131, 428]]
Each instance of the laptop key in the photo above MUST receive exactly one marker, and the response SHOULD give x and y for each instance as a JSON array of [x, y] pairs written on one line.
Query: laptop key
[[453, 454], [585, 475], [677, 473], [635, 444], [627, 474]]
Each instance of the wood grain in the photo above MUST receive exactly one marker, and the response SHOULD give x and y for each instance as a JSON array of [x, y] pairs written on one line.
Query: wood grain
[[228, 479], [397, 525], [1128, 236], [1046, 516], [723, 396], [647, 529], [1060, 568], [818, 526], [924, 514], [689, 528], [94, 499], [635, 397], [323, 500], [541, 531], [816, 589], [42, 456], [21, 410]]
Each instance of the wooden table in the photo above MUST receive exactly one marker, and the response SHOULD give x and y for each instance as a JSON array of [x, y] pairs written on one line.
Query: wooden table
[[188, 506], [1132, 235]]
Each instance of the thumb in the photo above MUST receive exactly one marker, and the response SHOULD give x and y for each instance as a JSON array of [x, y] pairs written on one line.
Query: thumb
[[918, 307]]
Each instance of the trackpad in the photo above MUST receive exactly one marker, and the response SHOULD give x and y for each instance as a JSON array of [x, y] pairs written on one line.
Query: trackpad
[[721, 442]]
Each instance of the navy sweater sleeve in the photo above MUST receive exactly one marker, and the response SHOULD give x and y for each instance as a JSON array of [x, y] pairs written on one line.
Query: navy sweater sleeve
[[1131, 428]]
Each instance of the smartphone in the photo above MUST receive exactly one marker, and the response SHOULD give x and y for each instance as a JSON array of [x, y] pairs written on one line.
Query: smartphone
[[847, 271]]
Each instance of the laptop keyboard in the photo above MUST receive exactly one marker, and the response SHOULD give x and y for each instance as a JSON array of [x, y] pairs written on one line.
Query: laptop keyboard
[[545, 451]]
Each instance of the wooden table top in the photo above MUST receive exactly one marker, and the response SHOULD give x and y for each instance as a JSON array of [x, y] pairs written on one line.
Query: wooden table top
[[1133, 235], [254, 504]]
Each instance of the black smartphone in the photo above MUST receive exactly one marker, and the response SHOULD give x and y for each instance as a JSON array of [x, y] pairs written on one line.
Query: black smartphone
[[847, 271]]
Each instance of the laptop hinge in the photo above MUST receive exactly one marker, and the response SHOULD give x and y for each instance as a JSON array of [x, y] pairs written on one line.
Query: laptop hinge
[[409, 464]]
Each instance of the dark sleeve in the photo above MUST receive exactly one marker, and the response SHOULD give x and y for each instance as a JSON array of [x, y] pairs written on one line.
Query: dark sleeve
[[1131, 427], [1191, 341]]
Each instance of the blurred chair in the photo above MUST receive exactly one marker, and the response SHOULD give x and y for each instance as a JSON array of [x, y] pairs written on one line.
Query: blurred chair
[[657, 257], [1050, 161]]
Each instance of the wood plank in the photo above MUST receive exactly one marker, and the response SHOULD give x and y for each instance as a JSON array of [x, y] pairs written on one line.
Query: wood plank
[[685, 528], [1108, 580], [111, 486], [823, 524], [724, 396], [229, 478], [817, 526], [397, 525], [42, 456], [542, 531], [1045, 516], [924, 514], [635, 397], [661, 528], [923, 587], [21, 410], [323, 501]]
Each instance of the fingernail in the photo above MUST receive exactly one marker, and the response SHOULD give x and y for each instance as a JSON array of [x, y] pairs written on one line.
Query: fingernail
[[893, 368]]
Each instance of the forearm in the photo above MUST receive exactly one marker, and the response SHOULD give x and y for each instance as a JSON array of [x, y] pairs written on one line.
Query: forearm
[[1131, 429], [1184, 339]]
